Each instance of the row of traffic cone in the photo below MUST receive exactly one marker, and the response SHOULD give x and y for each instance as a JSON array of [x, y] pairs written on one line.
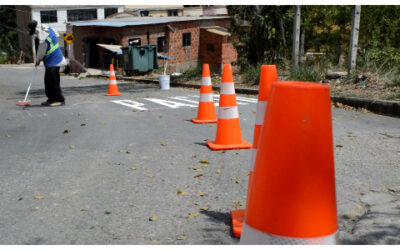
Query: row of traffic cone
[[291, 192], [229, 135]]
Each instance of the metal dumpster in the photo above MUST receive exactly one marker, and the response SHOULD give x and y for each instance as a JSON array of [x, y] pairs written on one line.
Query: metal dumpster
[[139, 59]]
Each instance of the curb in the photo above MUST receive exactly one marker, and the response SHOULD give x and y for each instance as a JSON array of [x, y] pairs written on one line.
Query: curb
[[374, 105]]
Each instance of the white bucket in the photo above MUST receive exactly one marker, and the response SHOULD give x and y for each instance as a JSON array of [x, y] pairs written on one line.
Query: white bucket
[[164, 81]]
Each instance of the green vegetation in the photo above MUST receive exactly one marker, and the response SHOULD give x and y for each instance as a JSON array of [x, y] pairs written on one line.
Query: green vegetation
[[306, 73], [8, 35]]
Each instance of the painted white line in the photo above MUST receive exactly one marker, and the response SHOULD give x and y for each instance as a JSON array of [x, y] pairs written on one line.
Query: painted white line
[[170, 104], [184, 98], [131, 104], [246, 99], [216, 97]]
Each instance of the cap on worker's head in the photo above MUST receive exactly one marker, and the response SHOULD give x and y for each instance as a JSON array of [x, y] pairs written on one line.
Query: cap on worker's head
[[32, 27]]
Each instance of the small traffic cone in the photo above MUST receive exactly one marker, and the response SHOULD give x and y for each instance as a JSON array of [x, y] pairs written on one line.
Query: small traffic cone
[[228, 135], [292, 196], [268, 75], [206, 111], [112, 86]]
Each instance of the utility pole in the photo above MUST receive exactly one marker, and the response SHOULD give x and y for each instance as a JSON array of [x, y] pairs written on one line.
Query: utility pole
[[355, 28], [296, 37]]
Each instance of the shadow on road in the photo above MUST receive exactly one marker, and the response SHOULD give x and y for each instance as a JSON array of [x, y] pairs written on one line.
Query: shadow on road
[[220, 217]]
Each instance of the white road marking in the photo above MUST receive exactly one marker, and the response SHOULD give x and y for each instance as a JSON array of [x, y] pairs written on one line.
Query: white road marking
[[216, 97], [187, 101], [246, 99], [131, 104], [184, 98], [170, 104]]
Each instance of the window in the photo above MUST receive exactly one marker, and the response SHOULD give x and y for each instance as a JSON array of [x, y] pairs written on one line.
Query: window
[[48, 16], [134, 41], [144, 13], [110, 11], [172, 12], [81, 15], [161, 45], [210, 47], [186, 39]]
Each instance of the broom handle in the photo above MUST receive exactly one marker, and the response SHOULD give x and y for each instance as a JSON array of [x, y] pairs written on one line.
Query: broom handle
[[30, 84]]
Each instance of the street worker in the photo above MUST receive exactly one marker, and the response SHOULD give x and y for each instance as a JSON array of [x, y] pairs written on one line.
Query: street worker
[[49, 51]]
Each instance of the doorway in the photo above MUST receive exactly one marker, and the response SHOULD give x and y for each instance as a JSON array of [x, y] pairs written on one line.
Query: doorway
[[92, 53]]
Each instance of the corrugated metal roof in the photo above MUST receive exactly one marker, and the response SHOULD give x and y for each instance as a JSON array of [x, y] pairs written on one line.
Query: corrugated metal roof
[[219, 32], [135, 21]]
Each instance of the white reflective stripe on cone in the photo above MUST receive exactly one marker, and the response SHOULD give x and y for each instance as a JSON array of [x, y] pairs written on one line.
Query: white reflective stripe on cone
[[251, 236], [206, 98], [112, 73], [113, 82], [227, 88], [206, 81], [228, 112], [261, 108], [253, 158]]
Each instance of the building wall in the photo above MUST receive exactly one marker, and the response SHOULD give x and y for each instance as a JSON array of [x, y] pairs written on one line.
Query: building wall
[[186, 57], [213, 58]]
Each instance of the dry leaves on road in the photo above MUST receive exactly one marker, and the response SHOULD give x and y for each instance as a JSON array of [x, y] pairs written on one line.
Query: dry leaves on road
[[153, 218], [182, 238], [235, 180], [38, 197], [180, 192], [67, 131], [217, 171], [71, 146], [193, 215]]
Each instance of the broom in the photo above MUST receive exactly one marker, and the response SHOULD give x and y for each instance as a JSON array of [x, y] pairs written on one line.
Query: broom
[[28, 102]]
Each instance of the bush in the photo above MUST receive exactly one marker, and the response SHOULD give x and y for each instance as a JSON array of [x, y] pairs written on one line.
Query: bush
[[305, 73], [379, 58]]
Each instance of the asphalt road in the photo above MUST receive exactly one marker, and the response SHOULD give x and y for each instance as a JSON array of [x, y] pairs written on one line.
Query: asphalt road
[[95, 171]]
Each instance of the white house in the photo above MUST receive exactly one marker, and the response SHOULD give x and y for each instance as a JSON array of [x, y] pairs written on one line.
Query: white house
[[57, 16]]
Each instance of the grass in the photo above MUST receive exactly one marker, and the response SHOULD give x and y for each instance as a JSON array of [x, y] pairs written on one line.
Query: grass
[[305, 73]]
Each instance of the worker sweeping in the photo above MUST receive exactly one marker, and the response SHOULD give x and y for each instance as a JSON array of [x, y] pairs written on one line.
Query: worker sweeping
[[50, 53]]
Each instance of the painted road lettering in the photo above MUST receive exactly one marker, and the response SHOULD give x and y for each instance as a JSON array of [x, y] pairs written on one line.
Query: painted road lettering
[[170, 104], [131, 104]]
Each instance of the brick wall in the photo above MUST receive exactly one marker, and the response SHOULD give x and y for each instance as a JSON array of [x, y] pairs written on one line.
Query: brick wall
[[186, 57], [212, 57]]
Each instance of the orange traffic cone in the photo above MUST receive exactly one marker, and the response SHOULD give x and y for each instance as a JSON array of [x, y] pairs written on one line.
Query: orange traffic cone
[[112, 86], [267, 76], [229, 135], [206, 111], [292, 196]]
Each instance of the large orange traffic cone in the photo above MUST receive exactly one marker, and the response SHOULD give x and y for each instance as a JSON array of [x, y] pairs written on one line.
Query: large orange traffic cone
[[229, 135], [292, 196], [268, 75], [112, 86], [206, 111]]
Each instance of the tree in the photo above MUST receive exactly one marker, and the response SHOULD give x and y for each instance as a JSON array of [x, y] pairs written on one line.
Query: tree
[[355, 26], [262, 32], [8, 31], [296, 37]]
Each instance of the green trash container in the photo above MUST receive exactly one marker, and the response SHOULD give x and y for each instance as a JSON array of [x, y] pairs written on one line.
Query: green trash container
[[140, 59]]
